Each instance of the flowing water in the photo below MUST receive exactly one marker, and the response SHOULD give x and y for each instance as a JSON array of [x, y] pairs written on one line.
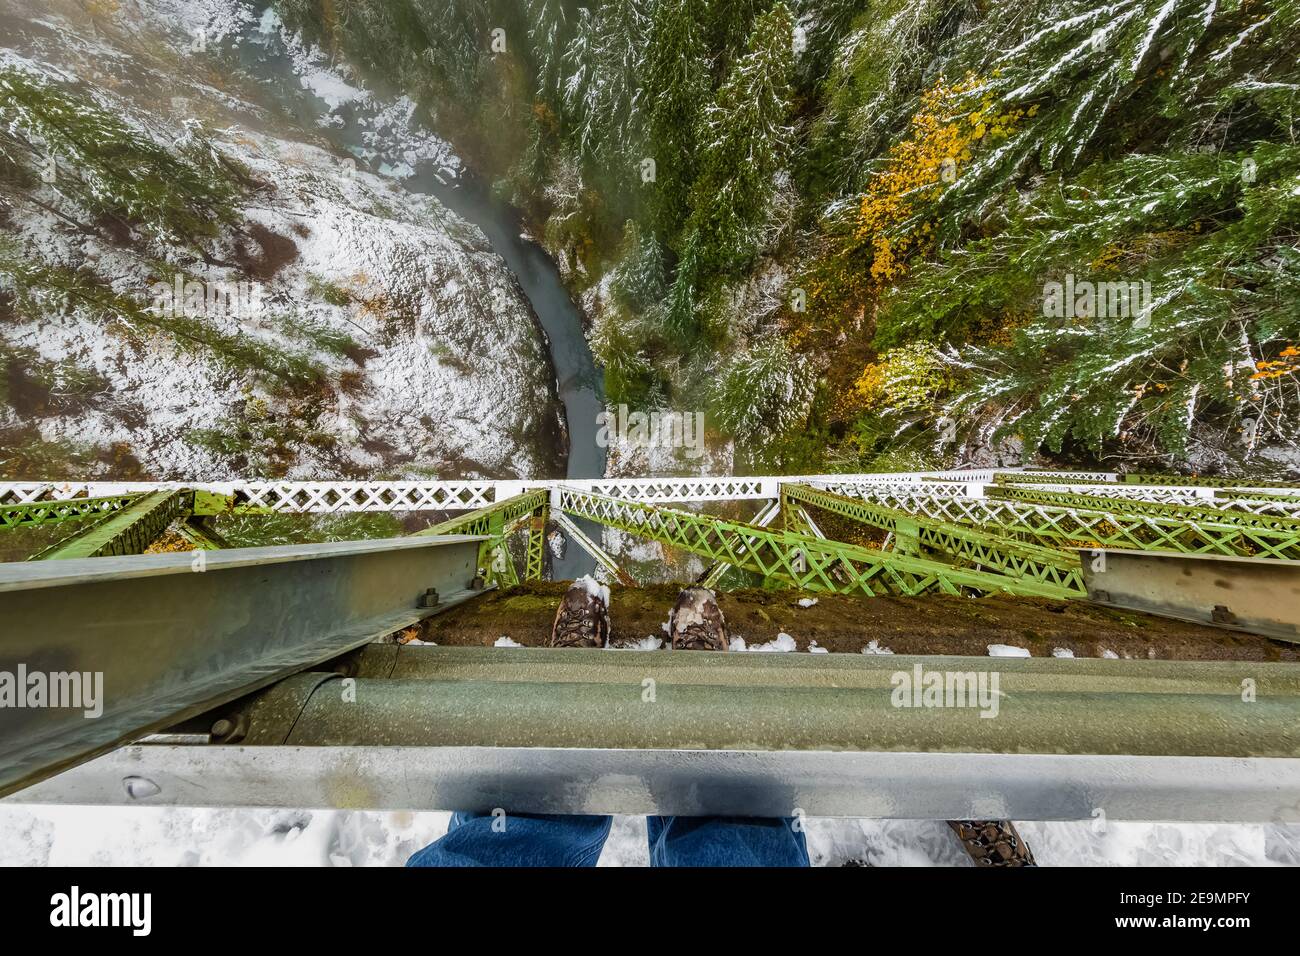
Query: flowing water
[[263, 58]]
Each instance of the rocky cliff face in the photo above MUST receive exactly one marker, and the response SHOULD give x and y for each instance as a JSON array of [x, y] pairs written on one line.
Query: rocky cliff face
[[330, 324]]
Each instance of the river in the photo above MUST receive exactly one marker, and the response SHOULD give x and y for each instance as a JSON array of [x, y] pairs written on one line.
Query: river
[[262, 56]]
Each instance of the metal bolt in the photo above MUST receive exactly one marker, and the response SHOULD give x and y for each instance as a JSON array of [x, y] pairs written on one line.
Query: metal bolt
[[228, 731], [140, 788]]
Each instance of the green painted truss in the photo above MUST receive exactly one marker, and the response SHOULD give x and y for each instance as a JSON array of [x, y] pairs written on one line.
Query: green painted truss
[[940, 535], [950, 542], [34, 513], [126, 530], [1104, 522], [794, 560]]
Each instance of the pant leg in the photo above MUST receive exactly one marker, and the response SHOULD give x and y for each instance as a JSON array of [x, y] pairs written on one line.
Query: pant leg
[[523, 839], [725, 841]]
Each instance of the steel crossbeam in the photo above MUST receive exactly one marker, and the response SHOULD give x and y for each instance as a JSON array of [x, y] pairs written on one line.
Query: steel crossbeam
[[1100, 526], [800, 561], [961, 544]]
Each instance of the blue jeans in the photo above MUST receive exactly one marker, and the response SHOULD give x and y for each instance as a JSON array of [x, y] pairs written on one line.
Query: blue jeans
[[528, 839]]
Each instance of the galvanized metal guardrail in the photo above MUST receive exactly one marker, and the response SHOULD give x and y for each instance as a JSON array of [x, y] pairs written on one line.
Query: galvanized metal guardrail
[[572, 731]]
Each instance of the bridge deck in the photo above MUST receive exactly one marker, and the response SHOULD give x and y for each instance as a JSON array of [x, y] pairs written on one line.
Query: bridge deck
[[935, 624]]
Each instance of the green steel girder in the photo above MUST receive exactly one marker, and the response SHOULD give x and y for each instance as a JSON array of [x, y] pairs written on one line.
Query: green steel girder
[[800, 561], [497, 521], [1034, 478], [1158, 509], [1106, 526], [492, 519], [714, 572], [32, 513], [960, 544], [196, 531], [129, 530], [536, 567], [1157, 479]]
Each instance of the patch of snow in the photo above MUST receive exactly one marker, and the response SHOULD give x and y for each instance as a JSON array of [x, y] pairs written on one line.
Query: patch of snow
[[453, 375], [784, 644], [806, 602], [185, 836], [504, 641], [594, 588], [873, 647], [736, 643], [645, 644], [1109, 655], [1008, 650], [814, 648], [1062, 652]]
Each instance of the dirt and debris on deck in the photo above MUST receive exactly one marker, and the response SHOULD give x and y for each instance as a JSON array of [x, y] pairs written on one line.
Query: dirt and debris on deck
[[934, 624]]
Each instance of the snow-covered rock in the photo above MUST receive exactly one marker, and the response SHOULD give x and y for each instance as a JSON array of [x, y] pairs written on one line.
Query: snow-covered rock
[[447, 373]]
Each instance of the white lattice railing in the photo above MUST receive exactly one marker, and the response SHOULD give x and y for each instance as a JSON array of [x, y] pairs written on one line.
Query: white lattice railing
[[353, 496], [341, 496]]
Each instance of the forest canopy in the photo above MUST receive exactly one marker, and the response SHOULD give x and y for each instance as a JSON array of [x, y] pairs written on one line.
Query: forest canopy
[[838, 225]]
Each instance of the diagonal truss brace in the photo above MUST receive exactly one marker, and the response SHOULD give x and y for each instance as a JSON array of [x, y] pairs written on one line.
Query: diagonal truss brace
[[717, 569], [800, 561], [963, 545], [1106, 526], [601, 556], [1161, 509]]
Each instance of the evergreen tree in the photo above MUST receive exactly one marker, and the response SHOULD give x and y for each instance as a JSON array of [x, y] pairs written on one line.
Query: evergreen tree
[[549, 27], [763, 392], [676, 88], [744, 137], [602, 95], [638, 284]]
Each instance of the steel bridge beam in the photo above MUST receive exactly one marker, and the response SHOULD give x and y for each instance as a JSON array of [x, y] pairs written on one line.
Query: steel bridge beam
[[1101, 526], [800, 561], [536, 564], [714, 572], [1160, 509], [921, 786], [1256, 595], [128, 530], [1216, 499], [964, 545], [32, 514], [172, 635]]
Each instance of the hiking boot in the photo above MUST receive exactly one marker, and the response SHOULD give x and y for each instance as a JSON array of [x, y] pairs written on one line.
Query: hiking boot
[[582, 619], [993, 842], [696, 622]]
